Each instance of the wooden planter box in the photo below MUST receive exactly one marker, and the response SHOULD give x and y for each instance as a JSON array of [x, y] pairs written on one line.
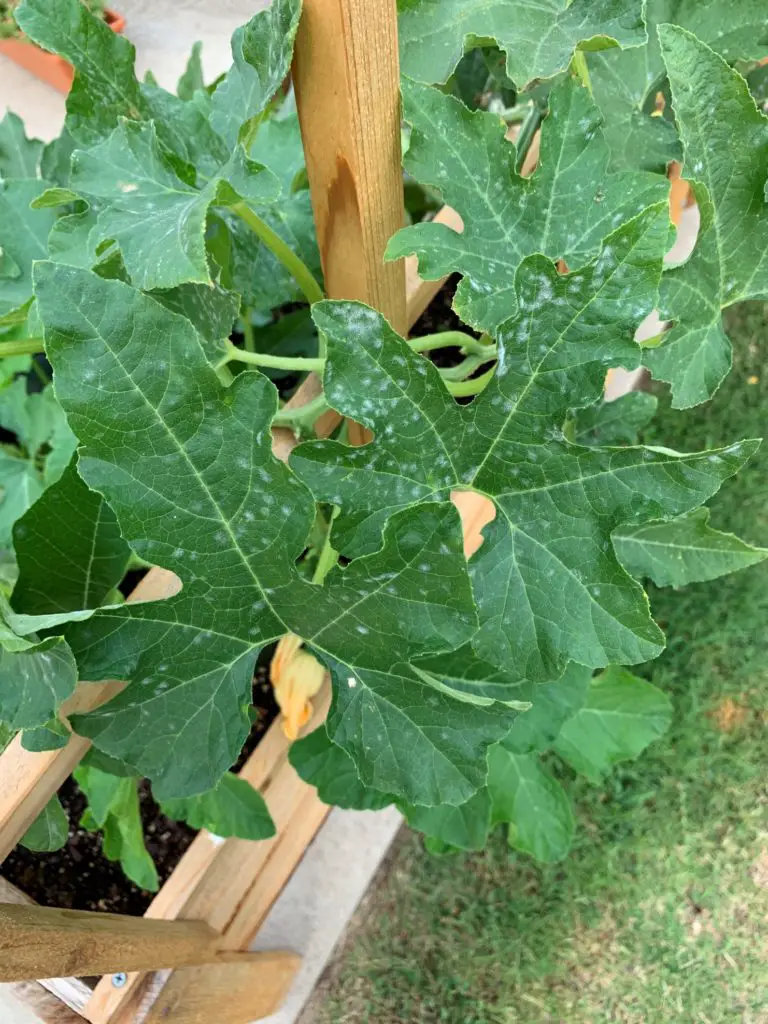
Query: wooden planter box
[[230, 885], [48, 67]]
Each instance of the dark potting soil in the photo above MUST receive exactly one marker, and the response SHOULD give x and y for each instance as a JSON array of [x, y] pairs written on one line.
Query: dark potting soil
[[439, 315], [79, 876]]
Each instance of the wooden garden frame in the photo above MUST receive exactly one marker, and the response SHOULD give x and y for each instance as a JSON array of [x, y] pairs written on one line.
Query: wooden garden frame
[[346, 74]]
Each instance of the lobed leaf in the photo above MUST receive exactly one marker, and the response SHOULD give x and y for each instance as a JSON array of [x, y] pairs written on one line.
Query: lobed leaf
[[621, 716], [187, 467], [539, 36], [726, 158], [546, 581], [19, 156], [685, 550], [564, 210], [537, 808]]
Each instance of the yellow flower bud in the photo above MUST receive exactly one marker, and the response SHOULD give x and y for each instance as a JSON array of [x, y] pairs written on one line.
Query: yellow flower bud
[[296, 676]]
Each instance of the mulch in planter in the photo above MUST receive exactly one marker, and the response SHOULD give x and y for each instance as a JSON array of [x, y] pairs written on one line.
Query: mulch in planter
[[79, 876]]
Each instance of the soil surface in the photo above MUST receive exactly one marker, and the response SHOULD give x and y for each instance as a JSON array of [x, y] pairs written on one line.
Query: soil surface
[[439, 316], [79, 876]]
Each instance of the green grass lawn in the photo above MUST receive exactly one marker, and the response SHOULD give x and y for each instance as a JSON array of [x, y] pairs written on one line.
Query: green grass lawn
[[660, 913]]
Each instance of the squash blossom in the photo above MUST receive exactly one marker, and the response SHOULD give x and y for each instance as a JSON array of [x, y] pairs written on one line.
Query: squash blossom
[[296, 676]]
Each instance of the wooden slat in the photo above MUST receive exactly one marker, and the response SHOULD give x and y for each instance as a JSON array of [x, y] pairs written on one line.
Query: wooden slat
[[347, 80], [214, 877], [47, 942], [71, 991], [47, 1008], [227, 994]]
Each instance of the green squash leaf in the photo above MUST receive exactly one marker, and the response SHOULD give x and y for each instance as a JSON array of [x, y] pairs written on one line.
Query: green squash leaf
[[685, 550], [49, 831], [537, 808], [20, 487], [105, 86], [621, 716], [726, 157], [19, 156], [546, 582], [465, 827], [332, 772], [54, 735], [219, 510], [35, 678], [69, 550], [625, 82], [192, 78], [539, 36], [262, 52], [23, 239], [113, 809], [157, 219], [564, 210], [552, 704], [615, 422], [233, 808]]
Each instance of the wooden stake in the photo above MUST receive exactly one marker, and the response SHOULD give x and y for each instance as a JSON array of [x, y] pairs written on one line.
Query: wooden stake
[[44, 942], [347, 78]]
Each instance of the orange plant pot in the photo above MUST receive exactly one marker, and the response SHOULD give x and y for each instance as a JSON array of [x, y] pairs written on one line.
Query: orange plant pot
[[47, 66]]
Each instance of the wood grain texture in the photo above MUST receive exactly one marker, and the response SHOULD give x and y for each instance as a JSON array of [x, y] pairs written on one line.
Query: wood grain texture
[[46, 1007], [46, 942], [228, 993], [215, 877], [347, 79]]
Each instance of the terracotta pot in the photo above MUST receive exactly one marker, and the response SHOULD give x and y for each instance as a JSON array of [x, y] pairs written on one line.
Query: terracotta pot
[[47, 66]]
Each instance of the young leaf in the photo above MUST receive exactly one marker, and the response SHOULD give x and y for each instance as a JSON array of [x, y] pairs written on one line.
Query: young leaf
[[726, 157], [219, 510], [69, 550], [547, 584], [19, 156], [192, 79], [539, 37], [105, 86], [113, 809], [552, 704], [539, 812], [332, 772], [262, 52], [615, 422], [564, 210], [685, 550], [622, 715], [157, 219], [232, 808], [49, 831]]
